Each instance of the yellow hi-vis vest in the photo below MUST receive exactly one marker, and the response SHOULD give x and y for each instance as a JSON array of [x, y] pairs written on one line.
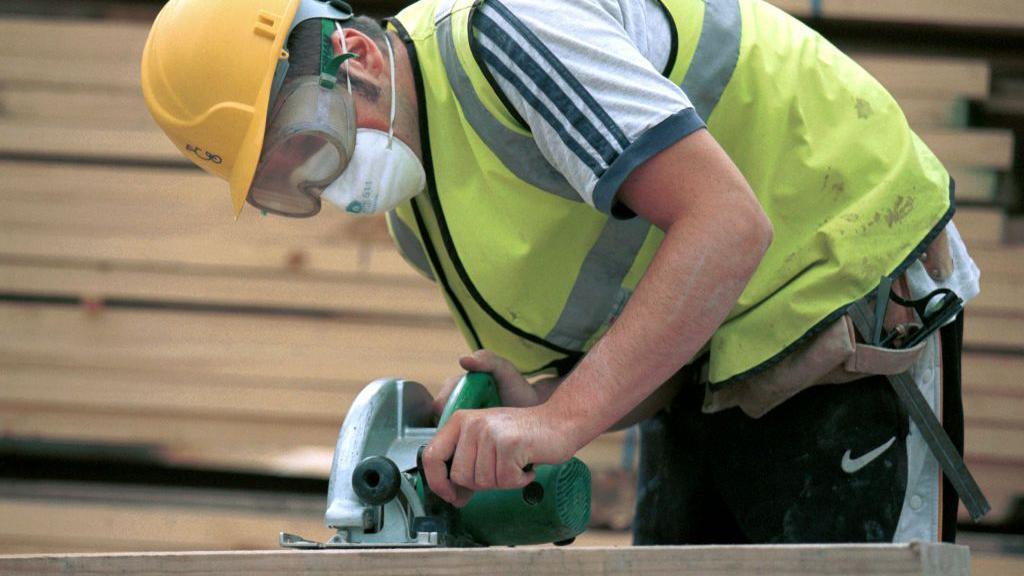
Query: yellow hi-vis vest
[[534, 274]]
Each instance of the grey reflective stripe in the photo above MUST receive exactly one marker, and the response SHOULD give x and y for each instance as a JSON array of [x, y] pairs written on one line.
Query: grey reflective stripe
[[409, 245], [517, 152], [718, 51], [597, 293]]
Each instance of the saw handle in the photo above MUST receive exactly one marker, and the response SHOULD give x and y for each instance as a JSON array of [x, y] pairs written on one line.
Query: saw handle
[[476, 390]]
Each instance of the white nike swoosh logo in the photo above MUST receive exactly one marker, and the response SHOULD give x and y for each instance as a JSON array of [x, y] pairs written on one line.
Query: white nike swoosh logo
[[851, 465]]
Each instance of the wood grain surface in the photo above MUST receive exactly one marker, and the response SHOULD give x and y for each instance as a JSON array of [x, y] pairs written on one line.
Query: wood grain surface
[[907, 559]]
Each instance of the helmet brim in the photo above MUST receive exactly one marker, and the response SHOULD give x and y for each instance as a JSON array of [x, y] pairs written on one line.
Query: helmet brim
[[248, 157]]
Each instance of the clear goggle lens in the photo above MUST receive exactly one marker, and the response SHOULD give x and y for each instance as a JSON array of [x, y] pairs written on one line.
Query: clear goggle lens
[[309, 143]]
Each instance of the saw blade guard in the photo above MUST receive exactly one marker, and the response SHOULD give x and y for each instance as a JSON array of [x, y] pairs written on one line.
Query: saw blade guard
[[390, 418]]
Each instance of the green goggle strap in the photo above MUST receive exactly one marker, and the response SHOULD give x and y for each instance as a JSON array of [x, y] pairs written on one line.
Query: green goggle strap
[[329, 63]]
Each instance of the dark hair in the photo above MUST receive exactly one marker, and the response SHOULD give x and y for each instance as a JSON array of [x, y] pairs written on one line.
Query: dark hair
[[304, 47]]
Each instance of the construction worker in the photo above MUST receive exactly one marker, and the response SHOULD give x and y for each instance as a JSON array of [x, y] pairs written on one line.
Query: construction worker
[[679, 211]]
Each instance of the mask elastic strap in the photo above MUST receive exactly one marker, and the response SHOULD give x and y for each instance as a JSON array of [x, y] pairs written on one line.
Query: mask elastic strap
[[391, 68], [344, 49], [394, 109]]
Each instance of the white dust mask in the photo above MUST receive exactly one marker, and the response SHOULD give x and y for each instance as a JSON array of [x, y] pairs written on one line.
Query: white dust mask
[[384, 171]]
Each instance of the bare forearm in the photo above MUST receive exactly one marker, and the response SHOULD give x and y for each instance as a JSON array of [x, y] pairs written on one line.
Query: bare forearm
[[642, 411], [694, 280], [545, 387]]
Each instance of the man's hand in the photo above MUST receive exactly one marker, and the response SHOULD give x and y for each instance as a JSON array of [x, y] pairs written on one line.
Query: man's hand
[[489, 449], [513, 389]]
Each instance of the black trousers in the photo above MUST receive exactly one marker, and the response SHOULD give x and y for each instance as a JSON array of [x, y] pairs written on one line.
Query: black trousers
[[726, 478]]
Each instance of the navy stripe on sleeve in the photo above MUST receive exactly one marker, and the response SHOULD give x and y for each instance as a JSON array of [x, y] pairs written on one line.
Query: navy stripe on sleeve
[[549, 116], [649, 144], [563, 72], [509, 57]]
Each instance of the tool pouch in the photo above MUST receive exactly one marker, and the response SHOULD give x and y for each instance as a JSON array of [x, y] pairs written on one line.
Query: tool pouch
[[835, 355]]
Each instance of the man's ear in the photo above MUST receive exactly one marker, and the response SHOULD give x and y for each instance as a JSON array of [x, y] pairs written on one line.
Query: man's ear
[[369, 62]]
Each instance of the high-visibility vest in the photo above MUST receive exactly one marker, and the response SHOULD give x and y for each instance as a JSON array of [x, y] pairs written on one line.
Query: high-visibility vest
[[534, 274]]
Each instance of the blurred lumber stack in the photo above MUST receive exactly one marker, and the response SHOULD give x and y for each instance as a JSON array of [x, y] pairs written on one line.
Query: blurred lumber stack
[[136, 312], [988, 14]]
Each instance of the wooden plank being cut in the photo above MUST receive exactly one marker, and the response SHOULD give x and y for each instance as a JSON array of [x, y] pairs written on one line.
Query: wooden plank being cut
[[998, 14], [875, 559]]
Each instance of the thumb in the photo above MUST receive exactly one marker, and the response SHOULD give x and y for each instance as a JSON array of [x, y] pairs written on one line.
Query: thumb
[[486, 361], [479, 361], [513, 388]]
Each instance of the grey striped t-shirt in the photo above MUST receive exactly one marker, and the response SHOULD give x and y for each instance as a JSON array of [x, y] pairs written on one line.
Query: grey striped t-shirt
[[586, 78]]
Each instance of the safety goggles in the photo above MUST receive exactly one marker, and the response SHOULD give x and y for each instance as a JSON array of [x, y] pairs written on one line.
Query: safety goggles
[[310, 136]]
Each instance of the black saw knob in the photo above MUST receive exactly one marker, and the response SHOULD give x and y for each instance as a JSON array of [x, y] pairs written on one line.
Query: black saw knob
[[376, 480]]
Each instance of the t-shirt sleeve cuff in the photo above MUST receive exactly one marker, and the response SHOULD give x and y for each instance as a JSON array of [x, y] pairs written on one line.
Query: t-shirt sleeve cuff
[[654, 140]]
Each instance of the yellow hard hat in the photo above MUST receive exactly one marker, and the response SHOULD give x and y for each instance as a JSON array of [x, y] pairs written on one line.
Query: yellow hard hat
[[208, 70]]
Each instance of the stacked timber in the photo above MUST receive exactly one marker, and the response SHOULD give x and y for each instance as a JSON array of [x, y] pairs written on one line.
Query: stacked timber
[[985, 14], [137, 314]]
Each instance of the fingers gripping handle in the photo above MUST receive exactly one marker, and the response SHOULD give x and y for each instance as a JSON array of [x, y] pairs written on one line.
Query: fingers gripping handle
[[554, 507], [476, 390]]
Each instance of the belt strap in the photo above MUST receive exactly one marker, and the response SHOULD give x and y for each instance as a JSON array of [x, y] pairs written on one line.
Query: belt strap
[[931, 429]]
